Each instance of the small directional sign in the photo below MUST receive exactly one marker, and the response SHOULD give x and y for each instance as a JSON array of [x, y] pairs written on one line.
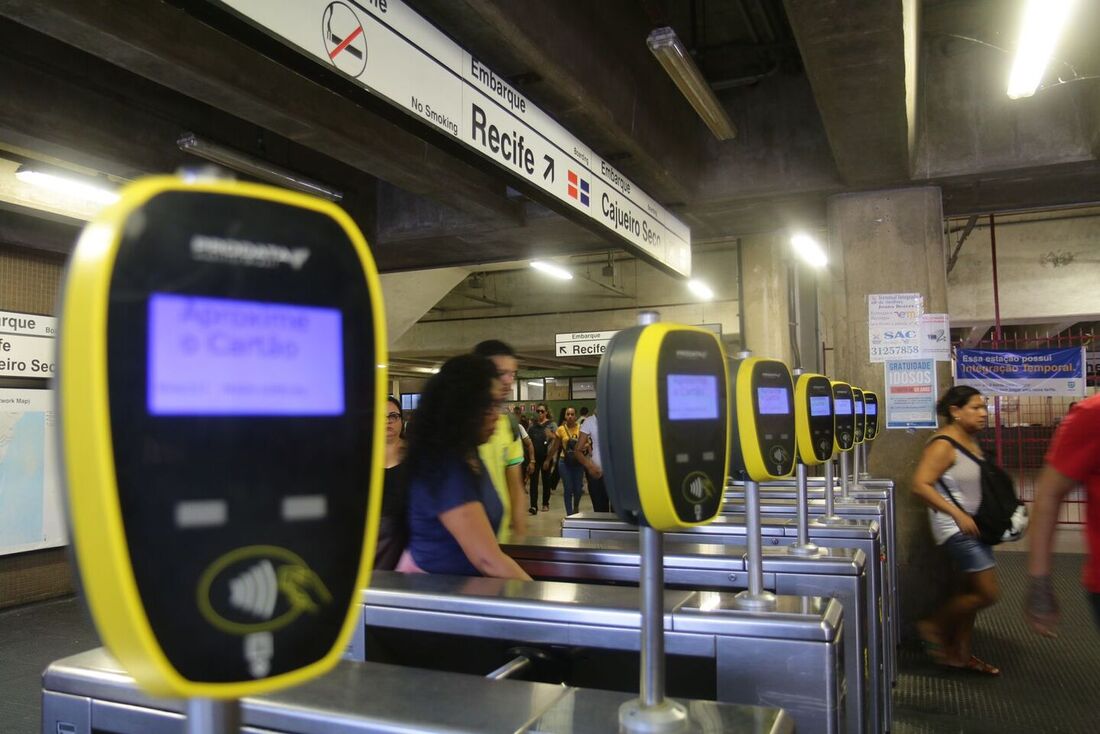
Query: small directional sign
[[582, 343], [548, 173]]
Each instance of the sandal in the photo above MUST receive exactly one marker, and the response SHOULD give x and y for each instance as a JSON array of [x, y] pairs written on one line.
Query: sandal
[[546, 508], [977, 665], [931, 643]]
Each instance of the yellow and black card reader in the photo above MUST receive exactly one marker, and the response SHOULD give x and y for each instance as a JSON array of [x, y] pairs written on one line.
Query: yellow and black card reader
[[813, 412], [221, 423], [663, 401], [844, 431], [762, 445], [870, 411], [860, 422]]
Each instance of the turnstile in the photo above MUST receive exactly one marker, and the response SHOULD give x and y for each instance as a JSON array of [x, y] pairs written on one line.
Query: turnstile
[[868, 490], [840, 574], [778, 532], [791, 657], [90, 693]]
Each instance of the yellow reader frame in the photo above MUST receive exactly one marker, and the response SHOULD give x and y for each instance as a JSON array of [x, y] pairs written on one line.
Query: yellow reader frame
[[802, 434], [836, 446], [94, 511], [649, 458], [755, 464]]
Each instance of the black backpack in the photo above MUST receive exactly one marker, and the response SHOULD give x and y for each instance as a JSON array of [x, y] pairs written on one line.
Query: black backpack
[[999, 499], [537, 434]]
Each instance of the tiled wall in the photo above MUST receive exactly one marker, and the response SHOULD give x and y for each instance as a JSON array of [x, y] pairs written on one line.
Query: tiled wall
[[29, 283]]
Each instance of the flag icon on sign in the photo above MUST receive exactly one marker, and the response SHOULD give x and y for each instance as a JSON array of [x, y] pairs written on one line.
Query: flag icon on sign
[[578, 188]]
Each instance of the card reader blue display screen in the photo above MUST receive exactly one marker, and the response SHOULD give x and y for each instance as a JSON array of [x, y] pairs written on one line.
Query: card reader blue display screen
[[225, 357], [692, 397], [843, 407], [820, 405], [772, 401], [871, 408]]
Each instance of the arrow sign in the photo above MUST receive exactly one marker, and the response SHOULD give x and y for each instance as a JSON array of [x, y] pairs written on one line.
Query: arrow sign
[[549, 172], [583, 343]]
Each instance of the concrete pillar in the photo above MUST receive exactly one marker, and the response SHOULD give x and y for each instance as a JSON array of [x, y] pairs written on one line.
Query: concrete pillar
[[765, 261], [888, 242]]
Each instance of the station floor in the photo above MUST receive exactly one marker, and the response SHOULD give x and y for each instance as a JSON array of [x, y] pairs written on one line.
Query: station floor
[[1047, 686]]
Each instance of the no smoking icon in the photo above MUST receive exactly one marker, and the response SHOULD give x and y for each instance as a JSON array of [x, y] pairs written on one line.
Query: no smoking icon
[[344, 39]]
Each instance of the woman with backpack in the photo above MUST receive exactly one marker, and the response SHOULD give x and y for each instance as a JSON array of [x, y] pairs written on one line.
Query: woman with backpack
[[572, 472], [949, 480]]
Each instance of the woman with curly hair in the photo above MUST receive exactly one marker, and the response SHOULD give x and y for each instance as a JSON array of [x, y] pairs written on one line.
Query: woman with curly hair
[[454, 510]]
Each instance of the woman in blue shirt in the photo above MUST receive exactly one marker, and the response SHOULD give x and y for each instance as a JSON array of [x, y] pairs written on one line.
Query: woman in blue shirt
[[454, 510]]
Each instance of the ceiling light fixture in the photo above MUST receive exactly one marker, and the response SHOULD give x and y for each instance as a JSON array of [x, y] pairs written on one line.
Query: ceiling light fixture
[[69, 185], [551, 269], [807, 248], [1040, 28], [244, 163], [678, 64], [700, 289]]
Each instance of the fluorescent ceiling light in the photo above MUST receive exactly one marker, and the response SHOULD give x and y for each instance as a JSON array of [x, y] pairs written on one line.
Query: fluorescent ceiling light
[[244, 163], [68, 185], [700, 289], [1041, 27], [551, 269], [809, 250], [678, 64]]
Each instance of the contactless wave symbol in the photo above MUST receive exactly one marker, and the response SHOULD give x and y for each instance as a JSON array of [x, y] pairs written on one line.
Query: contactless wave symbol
[[695, 489], [578, 187], [255, 591]]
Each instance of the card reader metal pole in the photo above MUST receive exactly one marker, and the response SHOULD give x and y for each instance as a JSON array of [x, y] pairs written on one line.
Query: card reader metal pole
[[210, 716], [803, 547], [830, 517], [844, 475], [865, 473], [754, 597], [855, 465]]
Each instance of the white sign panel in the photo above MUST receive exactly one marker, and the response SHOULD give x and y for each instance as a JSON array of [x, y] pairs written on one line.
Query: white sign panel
[[582, 343], [911, 393], [27, 345], [893, 325], [30, 500], [935, 336], [393, 52]]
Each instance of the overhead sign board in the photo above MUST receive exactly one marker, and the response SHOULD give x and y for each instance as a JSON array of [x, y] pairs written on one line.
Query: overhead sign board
[[391, 51], [27, 345], [893, 325], [582, 343]]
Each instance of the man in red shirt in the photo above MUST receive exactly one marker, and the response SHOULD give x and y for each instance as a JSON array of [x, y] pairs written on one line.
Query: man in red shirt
[[1073, 458]]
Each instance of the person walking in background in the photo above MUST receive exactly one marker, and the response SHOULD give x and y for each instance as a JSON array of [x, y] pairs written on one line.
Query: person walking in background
[[502, 453], [948, 480], [588, 454], [392, 530], [562, 451], [541, 436], [1072, 459], [455, 512]]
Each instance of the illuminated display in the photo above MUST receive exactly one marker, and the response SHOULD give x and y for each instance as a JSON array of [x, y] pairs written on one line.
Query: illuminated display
[[216, 356], [871, 408], [820, 405], [772, 401], [692, 397], [843, 407]]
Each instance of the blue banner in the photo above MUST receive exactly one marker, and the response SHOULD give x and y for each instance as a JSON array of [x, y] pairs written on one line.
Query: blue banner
[[1022, 371]]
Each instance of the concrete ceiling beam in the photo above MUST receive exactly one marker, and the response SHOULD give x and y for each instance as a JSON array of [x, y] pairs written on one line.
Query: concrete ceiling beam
[[158, 41], [861, 58]]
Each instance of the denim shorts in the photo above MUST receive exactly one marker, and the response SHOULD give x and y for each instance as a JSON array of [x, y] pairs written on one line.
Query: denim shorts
[[970, 554]]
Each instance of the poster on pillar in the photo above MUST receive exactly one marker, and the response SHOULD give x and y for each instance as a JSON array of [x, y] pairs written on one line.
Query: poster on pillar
[[893, 325], [935, 336], [1023, 371], [911, 393]]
